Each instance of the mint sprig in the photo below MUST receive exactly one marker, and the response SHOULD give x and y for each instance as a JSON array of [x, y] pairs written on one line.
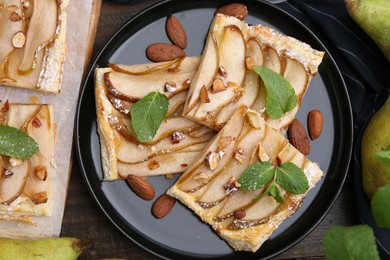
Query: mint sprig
[[289, 176], [16, 143], [380, 205], [384, 156], [281, 96], [356, 242], [147, 115]]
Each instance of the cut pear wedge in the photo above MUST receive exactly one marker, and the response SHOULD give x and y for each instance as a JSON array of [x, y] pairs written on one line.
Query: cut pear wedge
[[28, 177], [213, 192], [232, 49], [177, 141]]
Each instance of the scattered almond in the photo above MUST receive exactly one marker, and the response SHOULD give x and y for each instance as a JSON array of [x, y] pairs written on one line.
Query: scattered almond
[[163, 205], [36, 122], [218, 85], [176, 32], [40, 172], [263, 156], [298, 137], [249, 62], [15, 17], [238, 155], [187, 83], [231, 185], [232, 84], [254, 119], [204, 95], [177, 137], [212, 160], [141, 187], [153, 165], [39, 198], [170, 87], [239, 214], [18, 40], [222, 71], [235, 9], [7, 173], [314, 124], [159, 52]]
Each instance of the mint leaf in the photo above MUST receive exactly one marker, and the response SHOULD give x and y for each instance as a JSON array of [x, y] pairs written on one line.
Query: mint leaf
[[16, 143], [380, 205], [147, 115], [356, 242], [384, 156], [273, 191], [281, 97], [291, 178], [257, 175]]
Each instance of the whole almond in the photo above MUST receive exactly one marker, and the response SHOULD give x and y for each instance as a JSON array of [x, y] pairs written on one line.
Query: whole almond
[[314, 124], [298, 137], [163, 205], [176, 33], [235, 9], [141, 187], [159, 52]]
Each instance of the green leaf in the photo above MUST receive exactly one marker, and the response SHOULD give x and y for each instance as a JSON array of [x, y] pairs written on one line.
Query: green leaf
[[380, 205], [356, 242], [147, 115], [257, 175], [16, 143], [291, 178], [384, 156], [281, 97], [273, 191]]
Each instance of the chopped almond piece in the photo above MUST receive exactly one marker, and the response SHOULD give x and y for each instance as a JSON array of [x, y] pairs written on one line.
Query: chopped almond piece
[[204, 95], [218, 85]]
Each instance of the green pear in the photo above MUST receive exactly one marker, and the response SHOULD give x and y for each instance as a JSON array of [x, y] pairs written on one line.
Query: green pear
[[376, 138], [47, 248], [373, 16]]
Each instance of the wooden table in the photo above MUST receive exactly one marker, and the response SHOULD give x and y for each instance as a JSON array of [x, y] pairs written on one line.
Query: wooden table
[[84, 219]]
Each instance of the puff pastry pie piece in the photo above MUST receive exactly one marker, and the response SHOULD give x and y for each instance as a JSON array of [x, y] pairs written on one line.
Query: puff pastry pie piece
[[226, 77], [178, 140], [25, 184], [32, 43], [210, 188]]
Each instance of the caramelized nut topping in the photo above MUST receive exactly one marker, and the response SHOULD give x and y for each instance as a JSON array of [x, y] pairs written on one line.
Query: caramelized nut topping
[[170, 87], [176, 137], [218, 85], [36, 122], [239, 214], [18, 40], [231, 186], [263, 156], [187, 83], [249, 62], [153, 165], [173, 70], [15, 161], [232, 84], [222, 71], [204, 95], [253, 119], [238, 155], [40, 172], [212, 160], [237, 97], [40, 197], [6, 106], [7, 173], [15, 17], [184, 165], [203, 177]]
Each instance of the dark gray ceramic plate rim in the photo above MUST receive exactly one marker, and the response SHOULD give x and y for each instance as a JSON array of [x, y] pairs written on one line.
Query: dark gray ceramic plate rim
[[319, 207]]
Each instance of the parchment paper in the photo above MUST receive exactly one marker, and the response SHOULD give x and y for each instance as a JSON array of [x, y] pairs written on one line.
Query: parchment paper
[[64, 107]]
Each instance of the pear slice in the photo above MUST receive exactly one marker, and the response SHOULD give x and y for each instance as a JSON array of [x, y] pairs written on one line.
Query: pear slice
[[129, 152], [205, 74], [8, 28], [254, 50], [231, 130], [272, 60], [232, 58], [215, 189], [143, 69], [11, 187], [161, 164], [45, 15]]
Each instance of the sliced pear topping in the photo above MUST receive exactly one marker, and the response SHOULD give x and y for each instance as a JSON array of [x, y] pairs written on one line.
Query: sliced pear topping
[[297, 76], [44, 16], [232, 59], [144, 69], [205, 74], [115, 92], [121, 106], [272, 60], [232, 129], [255, 52], [12, 185]]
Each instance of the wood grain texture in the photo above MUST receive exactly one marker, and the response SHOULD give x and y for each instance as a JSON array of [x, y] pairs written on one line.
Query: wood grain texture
[[84, 219]]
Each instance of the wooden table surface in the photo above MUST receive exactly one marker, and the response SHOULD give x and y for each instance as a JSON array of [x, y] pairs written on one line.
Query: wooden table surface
[[84, 219]]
